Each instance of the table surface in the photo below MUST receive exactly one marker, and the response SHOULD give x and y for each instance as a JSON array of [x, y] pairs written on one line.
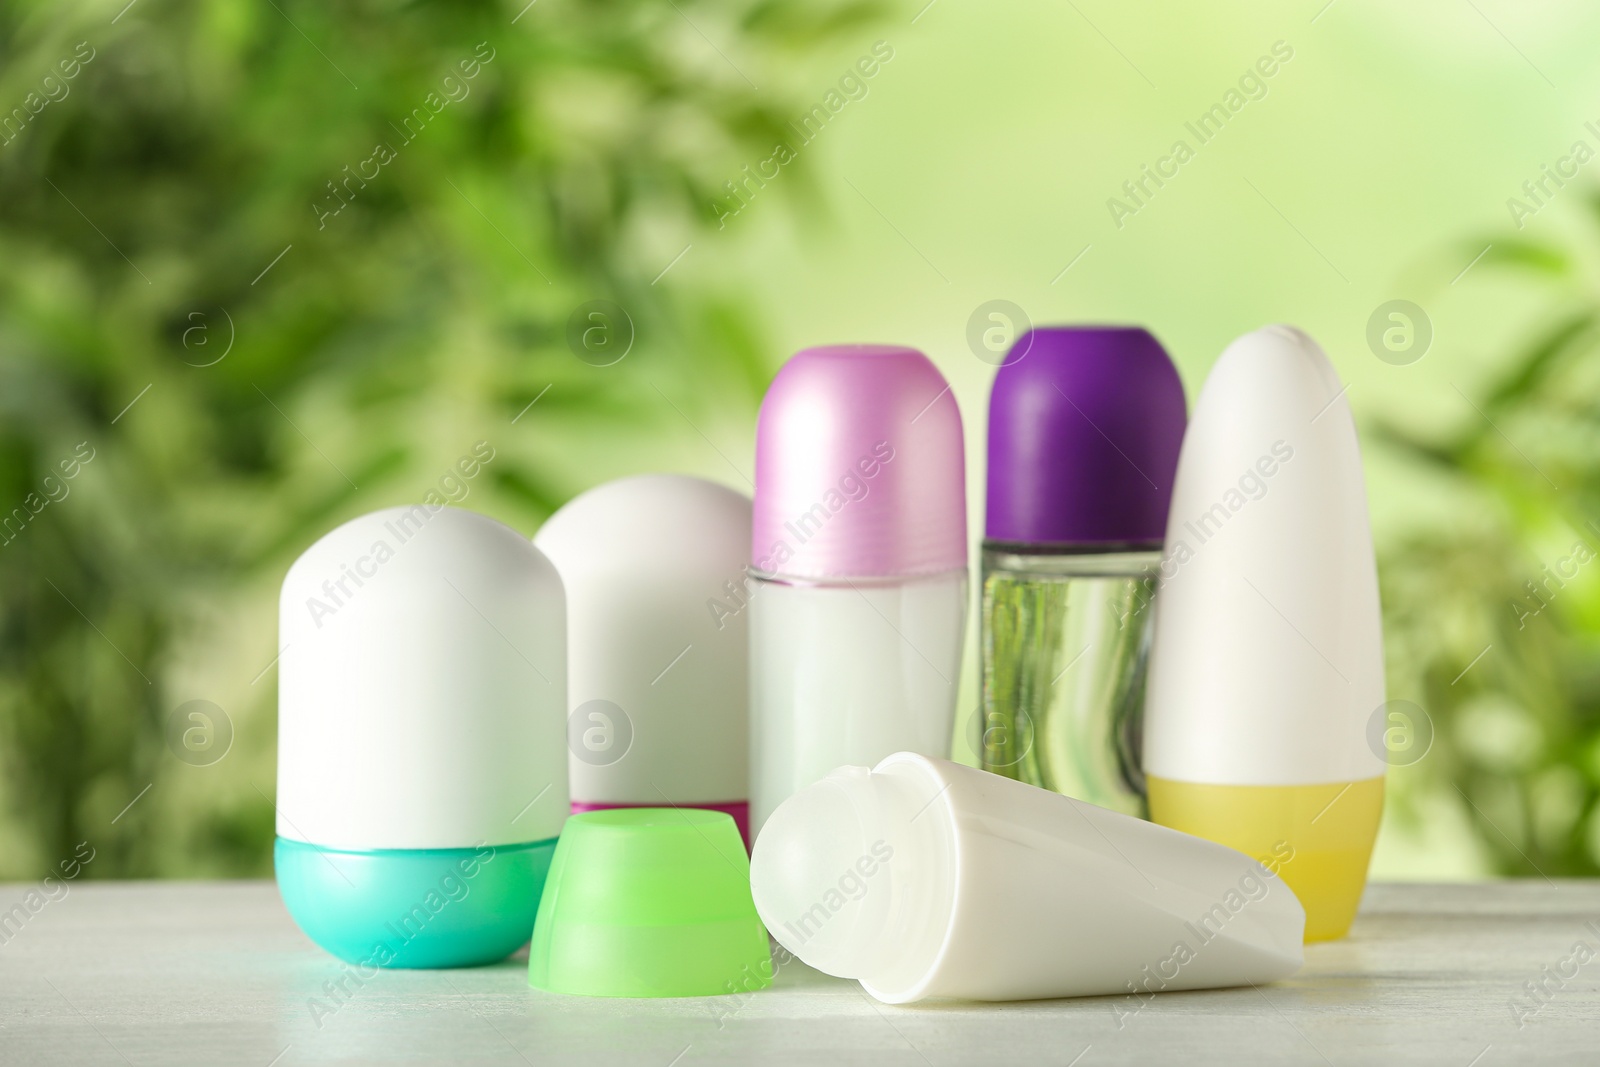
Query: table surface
[[216, 973]]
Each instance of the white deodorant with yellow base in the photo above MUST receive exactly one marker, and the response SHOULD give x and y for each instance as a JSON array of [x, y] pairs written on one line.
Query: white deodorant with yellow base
[[1267, 662]]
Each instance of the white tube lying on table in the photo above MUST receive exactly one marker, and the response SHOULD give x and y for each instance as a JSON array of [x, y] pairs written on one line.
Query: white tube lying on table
[[924, 878]]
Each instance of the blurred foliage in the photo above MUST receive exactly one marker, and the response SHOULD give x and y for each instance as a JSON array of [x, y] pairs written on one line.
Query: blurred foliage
[[174, 200], [1493, 610]]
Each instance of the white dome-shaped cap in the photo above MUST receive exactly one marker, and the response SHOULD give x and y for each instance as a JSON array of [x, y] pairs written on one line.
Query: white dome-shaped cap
[[1267, 662], [654, 568], [422, 686]]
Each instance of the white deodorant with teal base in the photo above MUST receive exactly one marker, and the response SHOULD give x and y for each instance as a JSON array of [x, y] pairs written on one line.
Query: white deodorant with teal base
[[422, 761]]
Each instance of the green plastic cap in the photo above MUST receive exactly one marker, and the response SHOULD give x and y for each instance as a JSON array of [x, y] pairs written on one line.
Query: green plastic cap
[[649, 902]]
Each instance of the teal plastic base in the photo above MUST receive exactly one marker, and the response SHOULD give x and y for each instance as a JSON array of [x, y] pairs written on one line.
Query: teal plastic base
[[448, 907]]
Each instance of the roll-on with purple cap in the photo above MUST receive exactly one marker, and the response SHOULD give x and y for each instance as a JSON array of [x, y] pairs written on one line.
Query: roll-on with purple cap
[[859, 566], [1085, 424]]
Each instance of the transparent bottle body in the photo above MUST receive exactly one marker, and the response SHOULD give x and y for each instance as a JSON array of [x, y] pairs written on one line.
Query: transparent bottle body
[[1065, 645], [846, 673]]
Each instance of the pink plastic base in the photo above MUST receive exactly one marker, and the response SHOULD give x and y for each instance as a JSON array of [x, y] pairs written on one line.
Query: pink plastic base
[[739, 809]]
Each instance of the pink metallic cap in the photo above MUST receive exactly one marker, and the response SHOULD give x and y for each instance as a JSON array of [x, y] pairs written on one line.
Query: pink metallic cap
[[860, 471]]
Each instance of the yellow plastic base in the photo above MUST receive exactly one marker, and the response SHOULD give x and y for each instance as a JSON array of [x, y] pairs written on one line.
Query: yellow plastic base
[[1318, 838]]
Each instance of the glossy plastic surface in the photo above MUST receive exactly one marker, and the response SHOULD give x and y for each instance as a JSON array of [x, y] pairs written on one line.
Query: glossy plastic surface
[[1320, 836], [657, 691], [927, 879], [447, 907], [649, 902]]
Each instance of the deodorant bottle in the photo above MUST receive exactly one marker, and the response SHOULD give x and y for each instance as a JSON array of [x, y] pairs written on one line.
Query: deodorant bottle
[[657, 654], [1267, 664], [922, 878], [1085, 424], [859, 561], [422, 756]]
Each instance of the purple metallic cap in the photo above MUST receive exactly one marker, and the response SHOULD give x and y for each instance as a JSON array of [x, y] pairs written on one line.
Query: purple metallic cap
[[860, 470], [1084, 431]]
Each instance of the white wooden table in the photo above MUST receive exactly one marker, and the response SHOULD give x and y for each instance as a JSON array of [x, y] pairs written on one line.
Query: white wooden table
[[216, 973]]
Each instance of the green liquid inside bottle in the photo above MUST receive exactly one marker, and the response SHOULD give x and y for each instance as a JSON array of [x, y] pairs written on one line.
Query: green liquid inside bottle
[[1066, 639]]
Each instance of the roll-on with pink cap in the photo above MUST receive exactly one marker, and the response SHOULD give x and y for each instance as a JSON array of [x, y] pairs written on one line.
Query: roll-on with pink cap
[[859, 561]]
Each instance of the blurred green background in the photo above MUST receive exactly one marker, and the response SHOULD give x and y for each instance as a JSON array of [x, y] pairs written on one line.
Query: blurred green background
[[236, 321]]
